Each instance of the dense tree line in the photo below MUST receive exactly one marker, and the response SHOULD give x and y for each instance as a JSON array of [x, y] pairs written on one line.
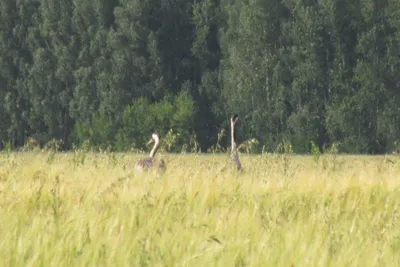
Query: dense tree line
[[111, 71]]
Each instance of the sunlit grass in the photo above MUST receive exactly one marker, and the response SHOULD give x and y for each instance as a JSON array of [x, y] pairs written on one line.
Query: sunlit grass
[[87, 209]]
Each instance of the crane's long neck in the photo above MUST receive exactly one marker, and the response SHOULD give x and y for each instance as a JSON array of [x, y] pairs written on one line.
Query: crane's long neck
[[155, 147]]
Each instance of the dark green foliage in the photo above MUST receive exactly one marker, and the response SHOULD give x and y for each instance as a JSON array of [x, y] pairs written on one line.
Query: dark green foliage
[[142, 118], [107, 73]]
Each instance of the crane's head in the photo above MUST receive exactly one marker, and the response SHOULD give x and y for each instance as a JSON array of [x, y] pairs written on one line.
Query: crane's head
[[234, 118], [154, 138]]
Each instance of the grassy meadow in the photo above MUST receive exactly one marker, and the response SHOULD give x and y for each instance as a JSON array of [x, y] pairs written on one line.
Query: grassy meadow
[[91, 209]]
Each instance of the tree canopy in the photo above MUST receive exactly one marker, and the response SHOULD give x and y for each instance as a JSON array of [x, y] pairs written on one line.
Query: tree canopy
[[112, 71]]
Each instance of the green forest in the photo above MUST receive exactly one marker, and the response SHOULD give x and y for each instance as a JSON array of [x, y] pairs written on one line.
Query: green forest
[[298, 72]]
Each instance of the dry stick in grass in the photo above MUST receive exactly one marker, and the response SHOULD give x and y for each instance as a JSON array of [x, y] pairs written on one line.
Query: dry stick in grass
[[235, 155]]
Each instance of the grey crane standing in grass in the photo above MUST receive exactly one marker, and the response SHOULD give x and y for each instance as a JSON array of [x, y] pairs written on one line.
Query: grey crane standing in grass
[[234, 152], [151, 162]]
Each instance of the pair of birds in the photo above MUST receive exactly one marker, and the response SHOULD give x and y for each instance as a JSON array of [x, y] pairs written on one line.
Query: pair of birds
[[159, 165]]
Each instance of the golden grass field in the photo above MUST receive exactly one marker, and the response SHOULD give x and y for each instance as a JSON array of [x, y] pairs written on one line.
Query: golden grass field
[[90, 209]]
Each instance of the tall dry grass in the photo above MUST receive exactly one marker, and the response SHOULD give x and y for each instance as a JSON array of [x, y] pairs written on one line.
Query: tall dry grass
[[86, 209]]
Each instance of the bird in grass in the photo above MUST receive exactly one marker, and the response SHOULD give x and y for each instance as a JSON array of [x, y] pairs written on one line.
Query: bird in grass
[[151, 162]]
